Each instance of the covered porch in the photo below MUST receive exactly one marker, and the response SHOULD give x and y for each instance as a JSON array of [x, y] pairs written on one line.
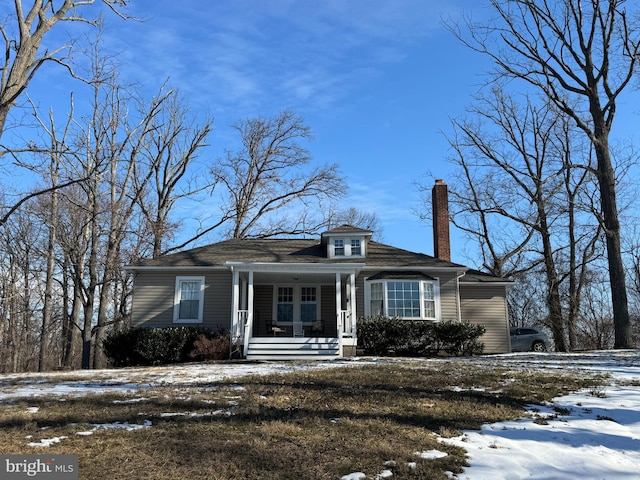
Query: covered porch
[[293, 311]]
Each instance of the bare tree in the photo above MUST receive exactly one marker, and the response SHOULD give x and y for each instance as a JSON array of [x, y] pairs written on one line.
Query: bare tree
[[357, 218], [24, 34], [172, 147], [581, 55], [267, 174], [58, 141], [519, 165]]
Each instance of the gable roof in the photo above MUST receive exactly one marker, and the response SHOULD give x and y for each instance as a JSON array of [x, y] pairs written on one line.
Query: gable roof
[[291, 251], [347, 229]]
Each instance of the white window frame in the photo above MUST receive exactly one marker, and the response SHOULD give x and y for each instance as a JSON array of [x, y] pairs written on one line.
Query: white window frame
[[297, 302], [177, 298], [422, 286], [355, 244], [347, 247]]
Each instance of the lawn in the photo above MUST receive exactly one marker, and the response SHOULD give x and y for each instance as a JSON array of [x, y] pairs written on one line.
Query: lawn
[[308, 424]]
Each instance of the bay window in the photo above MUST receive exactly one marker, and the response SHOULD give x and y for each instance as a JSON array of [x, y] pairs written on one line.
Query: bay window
[[403, 298]]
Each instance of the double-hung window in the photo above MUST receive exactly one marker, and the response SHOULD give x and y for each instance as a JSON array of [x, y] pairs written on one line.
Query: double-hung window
[[356, 250], [412, 299], [308, 304], [338, 247], [285, 305], [188, 305]]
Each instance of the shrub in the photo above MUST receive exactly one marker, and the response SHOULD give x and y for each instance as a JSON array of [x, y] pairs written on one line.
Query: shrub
[[205, 348], [459, 339], [381, 335], [154, 346], [393, 336]]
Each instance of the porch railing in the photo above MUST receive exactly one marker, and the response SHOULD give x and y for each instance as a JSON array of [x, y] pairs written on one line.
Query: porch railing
[[347, 323], [239, 326]]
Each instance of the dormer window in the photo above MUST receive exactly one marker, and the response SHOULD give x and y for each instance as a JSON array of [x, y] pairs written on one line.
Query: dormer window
[[355, 247], [346, 247], [346, 241]]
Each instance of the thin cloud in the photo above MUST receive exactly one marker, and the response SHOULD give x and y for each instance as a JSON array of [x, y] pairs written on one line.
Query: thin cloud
[[250, 53]]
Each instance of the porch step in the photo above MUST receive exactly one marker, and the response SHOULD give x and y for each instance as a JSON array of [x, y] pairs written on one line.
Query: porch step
[[293, 348]]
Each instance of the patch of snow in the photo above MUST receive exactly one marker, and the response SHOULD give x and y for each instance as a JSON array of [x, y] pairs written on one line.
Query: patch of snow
[[354, 476], [46, 442], [431, 454], [216, 413], [384, 474]]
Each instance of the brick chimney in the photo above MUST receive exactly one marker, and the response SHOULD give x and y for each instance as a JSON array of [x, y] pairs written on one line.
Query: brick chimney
[[440, 205]]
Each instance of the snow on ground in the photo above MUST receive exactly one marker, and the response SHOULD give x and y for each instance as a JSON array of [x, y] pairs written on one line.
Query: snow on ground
[[591, 435], [131, 380]]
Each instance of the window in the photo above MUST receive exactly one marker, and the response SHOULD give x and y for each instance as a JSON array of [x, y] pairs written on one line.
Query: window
[[355, 247], [347, 246], [188, 304], [296, 304], [285, 304], [308, 304], [403, 298], [429, 300], [377, 299]]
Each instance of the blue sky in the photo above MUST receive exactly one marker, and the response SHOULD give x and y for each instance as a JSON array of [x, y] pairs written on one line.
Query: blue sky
[[377, 82]]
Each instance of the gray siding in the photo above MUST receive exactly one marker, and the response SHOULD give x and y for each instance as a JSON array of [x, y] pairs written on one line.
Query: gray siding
[[262, 309], [328, 311], [486, 305], [154, 293], [448, 296]]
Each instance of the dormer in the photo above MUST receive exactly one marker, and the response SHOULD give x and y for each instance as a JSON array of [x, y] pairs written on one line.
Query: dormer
[[346, 241]]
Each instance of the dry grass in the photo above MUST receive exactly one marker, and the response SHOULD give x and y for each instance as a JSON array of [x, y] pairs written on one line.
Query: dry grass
[[306, 425]]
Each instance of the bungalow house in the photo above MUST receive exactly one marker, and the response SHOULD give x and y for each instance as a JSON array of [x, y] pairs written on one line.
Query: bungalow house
[[301, 298]]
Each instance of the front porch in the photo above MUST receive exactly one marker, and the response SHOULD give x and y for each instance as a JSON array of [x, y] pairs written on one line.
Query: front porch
[[288, 314]]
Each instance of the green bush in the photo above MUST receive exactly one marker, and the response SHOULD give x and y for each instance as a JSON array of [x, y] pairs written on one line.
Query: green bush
[[154, 346], [393, 336], [458, 339]]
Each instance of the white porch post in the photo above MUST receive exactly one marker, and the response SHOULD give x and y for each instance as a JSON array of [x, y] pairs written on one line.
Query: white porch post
[[235, 328], [352, 303], [248, 331], [339, 304]]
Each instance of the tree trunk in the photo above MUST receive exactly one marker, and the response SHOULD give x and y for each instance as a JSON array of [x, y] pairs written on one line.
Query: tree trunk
[[607, 184]]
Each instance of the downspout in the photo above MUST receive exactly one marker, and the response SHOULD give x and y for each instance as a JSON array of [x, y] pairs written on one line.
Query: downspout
[[458, 303]]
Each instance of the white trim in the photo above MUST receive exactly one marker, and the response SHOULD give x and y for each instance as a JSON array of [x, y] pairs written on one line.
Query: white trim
[[261, 267], [177, 295], [346, 246]]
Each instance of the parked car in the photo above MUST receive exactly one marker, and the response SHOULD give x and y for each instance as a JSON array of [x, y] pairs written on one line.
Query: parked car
[[528, 340]]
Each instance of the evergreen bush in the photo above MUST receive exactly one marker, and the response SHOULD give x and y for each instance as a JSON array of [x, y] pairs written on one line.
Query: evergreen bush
[[155, 346], [381, 335]]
